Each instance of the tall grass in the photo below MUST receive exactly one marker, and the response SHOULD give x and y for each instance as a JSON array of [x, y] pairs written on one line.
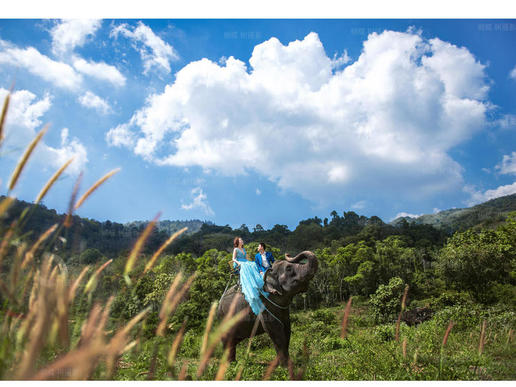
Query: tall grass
[[38, 295]]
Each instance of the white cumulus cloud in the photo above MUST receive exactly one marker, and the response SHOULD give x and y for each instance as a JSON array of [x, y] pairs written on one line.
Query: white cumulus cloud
[[477, 197], [99, 70], [58, 73], [405, 215], [386, 120], [512, 74], [22, 123], [93, 101], [200, 200], [154, 51], [68, 34], [508, 164], [121, 136]]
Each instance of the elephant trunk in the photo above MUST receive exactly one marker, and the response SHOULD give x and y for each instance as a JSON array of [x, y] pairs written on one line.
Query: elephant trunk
[[310, 267]]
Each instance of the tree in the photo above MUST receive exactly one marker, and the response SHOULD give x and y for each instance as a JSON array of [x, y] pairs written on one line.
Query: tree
[[385, 302], [476, 261], [90, 256]]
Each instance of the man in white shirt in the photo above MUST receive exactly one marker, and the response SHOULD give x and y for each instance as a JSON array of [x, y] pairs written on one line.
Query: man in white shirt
[[263, 259]]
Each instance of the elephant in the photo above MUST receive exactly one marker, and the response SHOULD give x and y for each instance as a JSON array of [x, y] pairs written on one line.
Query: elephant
[[282, 281]]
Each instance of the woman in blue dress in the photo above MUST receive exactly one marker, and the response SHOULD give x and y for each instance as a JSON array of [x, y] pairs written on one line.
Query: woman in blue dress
[[251, 282]]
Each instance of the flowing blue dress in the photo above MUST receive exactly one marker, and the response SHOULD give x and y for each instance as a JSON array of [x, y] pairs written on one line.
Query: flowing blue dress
[[251, 282]]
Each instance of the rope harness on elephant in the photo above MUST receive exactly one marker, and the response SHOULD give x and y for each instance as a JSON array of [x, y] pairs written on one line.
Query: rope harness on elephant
[[276, 305], [262, 292]]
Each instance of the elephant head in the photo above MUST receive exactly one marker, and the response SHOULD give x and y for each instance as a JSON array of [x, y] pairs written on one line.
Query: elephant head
[[291, 276]]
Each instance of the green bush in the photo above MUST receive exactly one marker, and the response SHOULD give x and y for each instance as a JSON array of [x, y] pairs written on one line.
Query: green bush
[[385, 332], [326, 316], [385, 303]]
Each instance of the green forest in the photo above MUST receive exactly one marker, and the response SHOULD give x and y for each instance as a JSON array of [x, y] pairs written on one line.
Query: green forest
[[82, 299]]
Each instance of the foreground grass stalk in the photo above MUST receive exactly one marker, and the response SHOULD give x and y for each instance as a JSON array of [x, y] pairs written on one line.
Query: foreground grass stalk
[[223, 365], [215, 338], [344, 327], [169, 306], [71, 205], [29, 256], [171, 358], [482, 338], [25, 157], [6, 204], [135, 252], [51, 181], [270, 369], [5, 108], [207, 330], [445, 340], [398, 321], [94, 187], [152, 261]]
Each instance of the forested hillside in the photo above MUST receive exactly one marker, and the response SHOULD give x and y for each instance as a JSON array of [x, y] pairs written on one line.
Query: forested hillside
[[112, 239], [488, 214]]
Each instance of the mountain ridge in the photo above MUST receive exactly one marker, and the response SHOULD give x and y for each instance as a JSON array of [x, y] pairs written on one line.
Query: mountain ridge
[[488, 214]]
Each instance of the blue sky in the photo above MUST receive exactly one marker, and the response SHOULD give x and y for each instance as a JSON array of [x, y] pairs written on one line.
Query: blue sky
[[263, 121]]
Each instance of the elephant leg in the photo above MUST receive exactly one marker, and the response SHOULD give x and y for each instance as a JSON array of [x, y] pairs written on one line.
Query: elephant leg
[[229, 344], [276, 332]]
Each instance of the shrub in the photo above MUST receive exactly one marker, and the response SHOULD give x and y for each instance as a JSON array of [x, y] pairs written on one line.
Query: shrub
[[385, 302], [384, 332], [325, 316]]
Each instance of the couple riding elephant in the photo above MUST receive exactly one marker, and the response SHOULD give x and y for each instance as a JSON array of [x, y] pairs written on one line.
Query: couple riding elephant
[[268, 306]]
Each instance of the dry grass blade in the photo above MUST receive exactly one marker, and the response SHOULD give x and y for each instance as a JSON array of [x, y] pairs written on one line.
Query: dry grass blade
[[223, 365], [231, 309], [239, 373], [68, 220], [170, 294], [119, 341], [5, 108], [447, 333], [253, 333], [39, 328], [97, 184], [404, 348], [398, 321], [30, 254], [344, 329], [509, 336], [184, 369], [137, 248], [169, 307], [92, 283], [290, 367], [163, 247], [4, 246], [209, 323], [270, 369], [62, 368], [23, 160], [51, 181], [75, 285], [6, 204], [482, 338], [171, 358], [215, 338]]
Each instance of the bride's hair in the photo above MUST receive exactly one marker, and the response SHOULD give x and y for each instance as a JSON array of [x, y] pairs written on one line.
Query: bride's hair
[[236, 242]]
